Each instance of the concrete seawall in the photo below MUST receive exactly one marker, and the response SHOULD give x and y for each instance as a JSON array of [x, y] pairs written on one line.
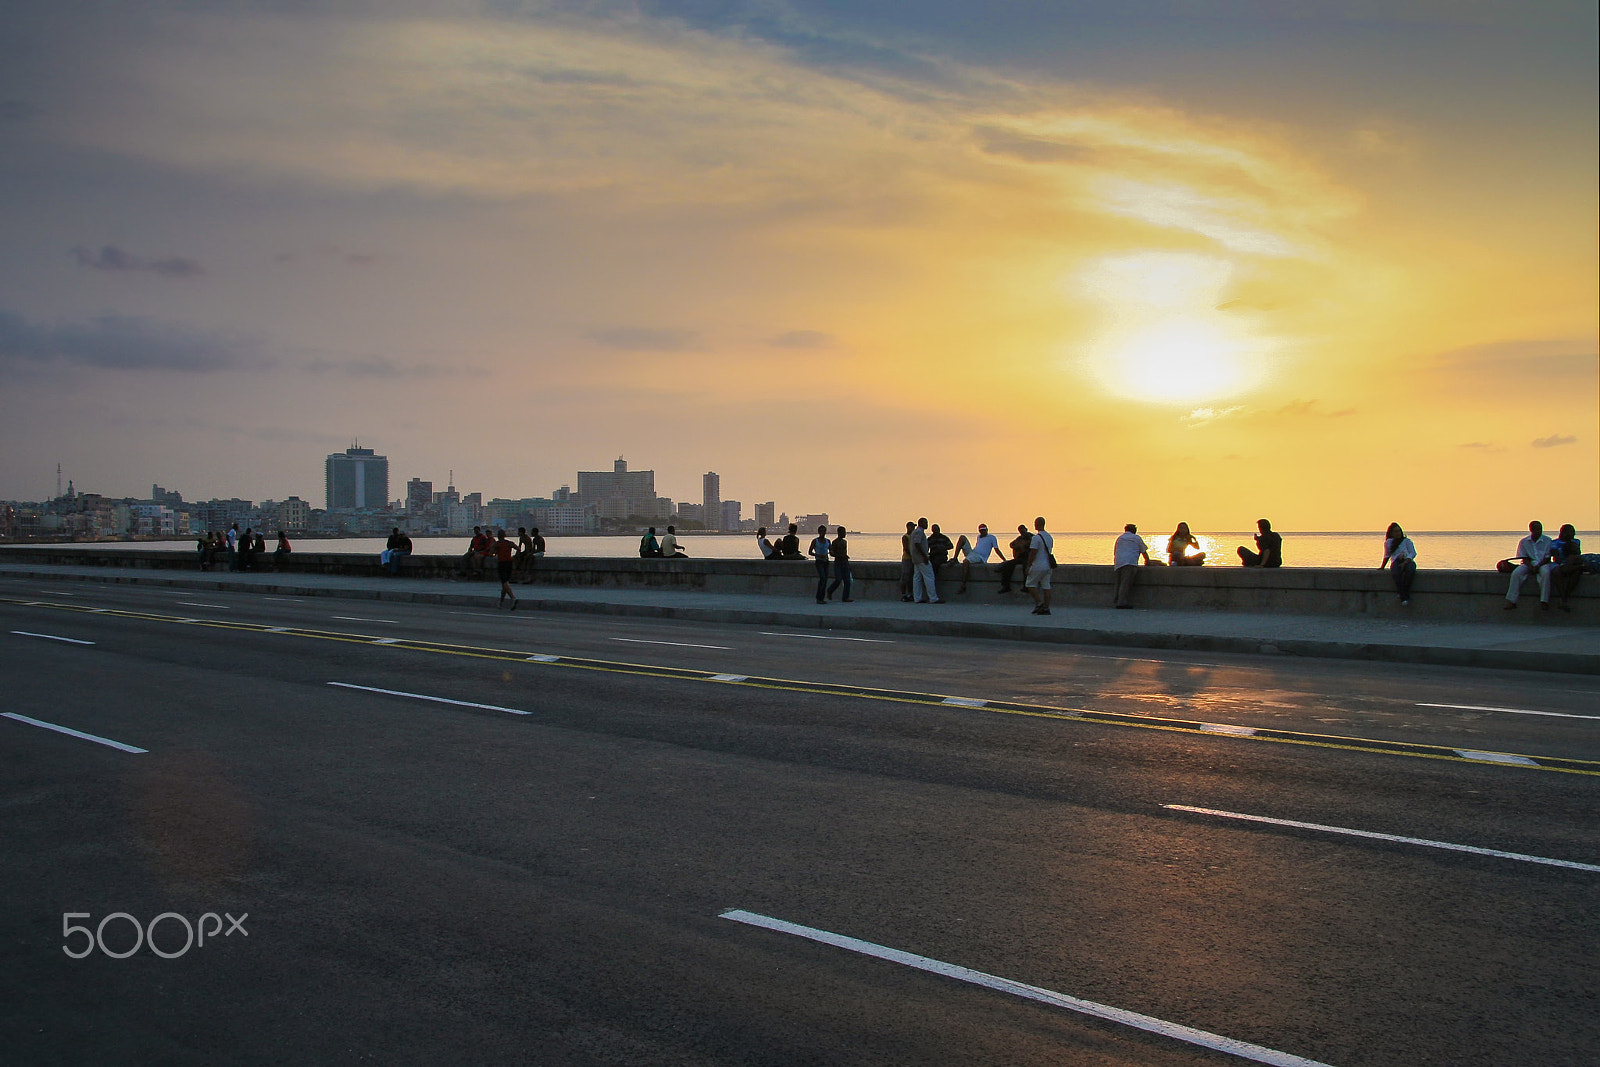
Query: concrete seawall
[[1438, 595]]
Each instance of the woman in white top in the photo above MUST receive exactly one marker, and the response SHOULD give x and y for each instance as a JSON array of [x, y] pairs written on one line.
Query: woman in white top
[[1400, 556]]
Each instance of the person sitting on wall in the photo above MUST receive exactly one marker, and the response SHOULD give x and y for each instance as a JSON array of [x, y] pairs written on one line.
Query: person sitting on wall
[[765, 544], [1533, 558], [669, 545], [472, 563], [1019, 557], [1183, 549], [280, 555], [1269, 548], [970, 552], [1566, 565], [648, 547], [789, 545]]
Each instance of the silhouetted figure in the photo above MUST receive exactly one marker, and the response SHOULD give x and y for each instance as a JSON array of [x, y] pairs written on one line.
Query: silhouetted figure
[[1269, 548], [1183, 549], [1400, 556]]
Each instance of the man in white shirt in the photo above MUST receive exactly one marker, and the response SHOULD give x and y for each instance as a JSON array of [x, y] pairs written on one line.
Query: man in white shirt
[[669, 545], [923, 590], [1129, 548], [970, 552], [1533, 552], [1040, 563]]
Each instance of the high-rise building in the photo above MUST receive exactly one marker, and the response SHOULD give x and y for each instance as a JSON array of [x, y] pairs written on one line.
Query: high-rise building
[[419, 495], [619, 492], [809, 523], [711, 499], [766, 514], [358, 478], [730, 515]]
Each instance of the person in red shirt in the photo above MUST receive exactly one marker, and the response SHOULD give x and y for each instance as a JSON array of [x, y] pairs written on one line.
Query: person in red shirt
[[505, 552]]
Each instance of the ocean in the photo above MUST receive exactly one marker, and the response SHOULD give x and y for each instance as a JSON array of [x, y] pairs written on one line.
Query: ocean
[[1442, 550]]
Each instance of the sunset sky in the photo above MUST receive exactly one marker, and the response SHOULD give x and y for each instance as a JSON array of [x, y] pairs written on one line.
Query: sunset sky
[[1103, 260]]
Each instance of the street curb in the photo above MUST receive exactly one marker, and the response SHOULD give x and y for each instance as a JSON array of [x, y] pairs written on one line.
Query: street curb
[[1432, 655]]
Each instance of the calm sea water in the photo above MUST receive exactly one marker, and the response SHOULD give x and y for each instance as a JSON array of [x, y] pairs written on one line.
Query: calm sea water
[[1449, 550]]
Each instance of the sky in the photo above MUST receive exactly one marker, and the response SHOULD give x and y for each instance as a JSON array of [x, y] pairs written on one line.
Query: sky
[[1333, 263]]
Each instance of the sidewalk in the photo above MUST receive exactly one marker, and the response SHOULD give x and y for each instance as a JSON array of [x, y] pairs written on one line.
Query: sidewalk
[[1475, 644]]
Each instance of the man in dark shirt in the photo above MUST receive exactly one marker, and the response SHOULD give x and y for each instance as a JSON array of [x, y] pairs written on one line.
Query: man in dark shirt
[[939, 547], [1019, 556], [1269, 548], [789, 544]]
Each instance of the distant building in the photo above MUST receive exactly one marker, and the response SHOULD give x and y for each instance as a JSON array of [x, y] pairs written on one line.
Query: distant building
[[419, 496], [711, 499], [619, 492], [357, 478], [293, 514], [730, 515], [809, 523], [695, 513], [766, 514]]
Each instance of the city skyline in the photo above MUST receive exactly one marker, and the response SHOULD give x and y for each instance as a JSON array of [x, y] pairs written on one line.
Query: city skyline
[[1331, 262]]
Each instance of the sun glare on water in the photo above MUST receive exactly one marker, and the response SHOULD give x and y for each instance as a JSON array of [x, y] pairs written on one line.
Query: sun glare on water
[[1164, 340]]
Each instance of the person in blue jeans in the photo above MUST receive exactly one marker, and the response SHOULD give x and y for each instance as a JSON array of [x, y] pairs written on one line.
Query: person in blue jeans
[[818, 551], [840, 551]]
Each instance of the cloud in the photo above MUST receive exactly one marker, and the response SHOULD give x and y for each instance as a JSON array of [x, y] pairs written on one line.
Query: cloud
[[1311, 409], [1555, 440], [802, 339], [1540, 359], [381, 367], [638, 339], [1201, 416], [120, 342], [112, 258], [607, 111], [1483, 446]]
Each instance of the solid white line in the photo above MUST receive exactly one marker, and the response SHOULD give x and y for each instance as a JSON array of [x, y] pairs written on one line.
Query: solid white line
[[52, 592], [730, 678], [437, 700], [1510, 711], [675, 644], [351, 618], [1225, 728], [192, 604], [544, 659], [385, 640], [822, 637], [52, 637], [278, 629], [1188, 1034], [72, 733], [964, 702], [1389, 837]]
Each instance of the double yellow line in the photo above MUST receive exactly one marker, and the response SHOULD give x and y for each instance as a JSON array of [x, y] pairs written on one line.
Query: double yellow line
[[999, 707]]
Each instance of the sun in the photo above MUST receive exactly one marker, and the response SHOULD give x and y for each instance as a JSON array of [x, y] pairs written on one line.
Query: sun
[[1178, 360], [1163, 338]]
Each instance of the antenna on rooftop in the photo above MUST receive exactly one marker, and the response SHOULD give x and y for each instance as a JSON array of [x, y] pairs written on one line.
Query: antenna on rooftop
[[58, 480]]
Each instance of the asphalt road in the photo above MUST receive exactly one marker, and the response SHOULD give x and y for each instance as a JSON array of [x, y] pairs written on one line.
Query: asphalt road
[[430, 882]]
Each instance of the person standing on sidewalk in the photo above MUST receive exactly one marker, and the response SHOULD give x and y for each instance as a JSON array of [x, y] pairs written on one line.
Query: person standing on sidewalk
[[1041, 561], [840, 551], [1129, 549], [923, 590], [818, 551], [505, 554]]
